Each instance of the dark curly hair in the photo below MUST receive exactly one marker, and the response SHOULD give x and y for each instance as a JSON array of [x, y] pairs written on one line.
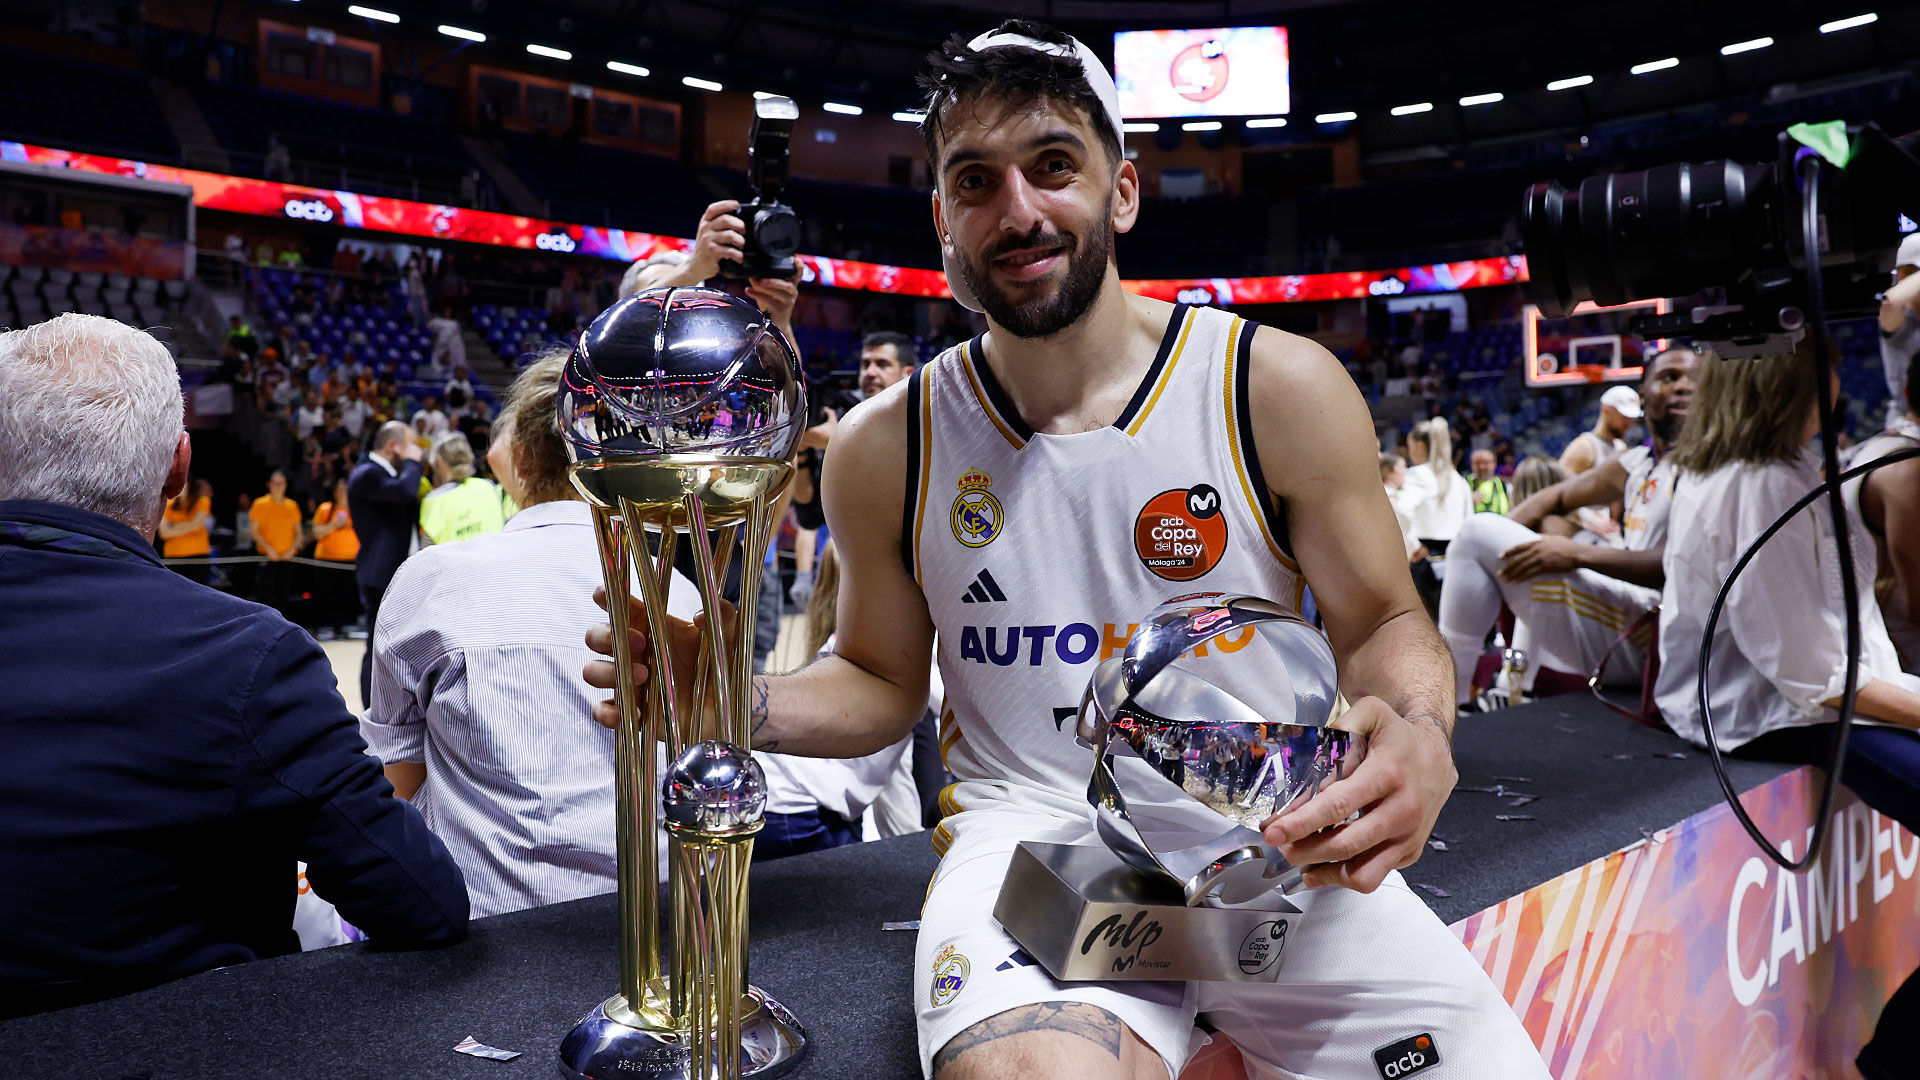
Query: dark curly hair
[[955, 74]]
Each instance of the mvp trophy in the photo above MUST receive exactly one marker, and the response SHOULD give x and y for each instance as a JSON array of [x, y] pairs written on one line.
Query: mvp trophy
[[681, 409], [1214, 719]]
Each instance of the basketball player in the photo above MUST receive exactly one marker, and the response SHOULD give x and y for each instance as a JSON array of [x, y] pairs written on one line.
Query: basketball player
[[1619, 408], [1029, 493], [1572, 601]]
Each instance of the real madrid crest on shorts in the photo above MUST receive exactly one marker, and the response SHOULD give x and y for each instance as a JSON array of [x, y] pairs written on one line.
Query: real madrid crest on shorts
[[977, 515], [949, 975]]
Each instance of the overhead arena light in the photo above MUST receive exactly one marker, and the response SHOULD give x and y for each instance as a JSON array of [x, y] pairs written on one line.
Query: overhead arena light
[[1268, 122], [549, 52], [1411, 110], [1848, 23], [372, 13], [907, 117], [1141, 127], [700, 84], [1745, 46], [625, 68], [843, 110], [1652, 66], [1201, 125], [1482, 99], [1569, 84], [1335, 117], [462, 33]]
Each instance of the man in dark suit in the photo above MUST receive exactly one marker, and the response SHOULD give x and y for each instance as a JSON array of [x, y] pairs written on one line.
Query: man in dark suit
[[172, 751], [383, 495]]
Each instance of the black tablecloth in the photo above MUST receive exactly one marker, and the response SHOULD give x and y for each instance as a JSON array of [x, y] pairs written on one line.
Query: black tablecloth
[[522, 980]]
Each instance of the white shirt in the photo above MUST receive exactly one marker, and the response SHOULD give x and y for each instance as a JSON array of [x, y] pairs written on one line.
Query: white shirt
[[1779, 650], [354, 414], [308, 418], [430, 423], [484, 686], [1437, 515]]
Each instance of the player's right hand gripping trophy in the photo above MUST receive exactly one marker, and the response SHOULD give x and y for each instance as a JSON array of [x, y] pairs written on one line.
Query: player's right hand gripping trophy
[[681, 409]]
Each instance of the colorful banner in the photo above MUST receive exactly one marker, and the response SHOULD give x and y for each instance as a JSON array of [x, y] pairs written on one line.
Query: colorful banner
[[242, 195], [102, 252], [1690, 954]]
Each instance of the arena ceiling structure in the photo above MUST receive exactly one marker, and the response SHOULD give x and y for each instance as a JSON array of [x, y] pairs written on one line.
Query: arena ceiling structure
[[1368, 57]]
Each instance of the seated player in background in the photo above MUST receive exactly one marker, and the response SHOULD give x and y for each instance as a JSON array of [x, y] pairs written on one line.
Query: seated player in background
[[1779, 649], [173, 751], [1888, 502], [1572, 601], [477, 690], [1080, 409], [1620, 409]]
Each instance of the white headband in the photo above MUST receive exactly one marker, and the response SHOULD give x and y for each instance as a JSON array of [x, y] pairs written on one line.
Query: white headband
[[1098, 80]]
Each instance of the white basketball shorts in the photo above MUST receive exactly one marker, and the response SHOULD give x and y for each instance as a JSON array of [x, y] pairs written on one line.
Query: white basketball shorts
[[1371, 987]]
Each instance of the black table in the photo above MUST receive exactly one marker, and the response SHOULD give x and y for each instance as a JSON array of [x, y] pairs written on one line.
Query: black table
[[522, 980]]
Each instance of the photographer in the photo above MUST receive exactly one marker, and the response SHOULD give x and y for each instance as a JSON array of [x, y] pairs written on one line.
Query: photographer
[[1779, 652], [721, 235], [1888, 502]]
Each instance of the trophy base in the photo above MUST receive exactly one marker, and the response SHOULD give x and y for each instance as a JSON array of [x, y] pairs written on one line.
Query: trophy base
[[611, 1042], [1086, 916]]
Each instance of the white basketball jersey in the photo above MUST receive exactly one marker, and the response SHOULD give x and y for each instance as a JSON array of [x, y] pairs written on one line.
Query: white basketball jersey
[[1038, 553], [1649, 499]]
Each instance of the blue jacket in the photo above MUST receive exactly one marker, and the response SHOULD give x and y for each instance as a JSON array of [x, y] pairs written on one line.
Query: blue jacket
[[167, 752], [385, 510]]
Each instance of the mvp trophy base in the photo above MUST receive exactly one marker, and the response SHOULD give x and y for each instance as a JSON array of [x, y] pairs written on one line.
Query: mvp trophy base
[[1085, 916], [612, 1042]]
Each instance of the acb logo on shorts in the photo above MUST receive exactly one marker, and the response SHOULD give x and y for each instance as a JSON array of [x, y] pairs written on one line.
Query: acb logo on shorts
[[950, 971], [976, 516], [1407, 1057], [1181, 534]]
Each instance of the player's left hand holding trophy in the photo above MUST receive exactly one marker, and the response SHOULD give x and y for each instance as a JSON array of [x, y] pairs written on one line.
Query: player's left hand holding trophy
[[681, 409]]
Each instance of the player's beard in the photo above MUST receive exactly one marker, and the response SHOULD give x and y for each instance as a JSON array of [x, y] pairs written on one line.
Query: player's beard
[[1667, 427], [1044, 315]]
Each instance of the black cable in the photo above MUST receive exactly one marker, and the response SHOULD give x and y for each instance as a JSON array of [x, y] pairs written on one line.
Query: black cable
[[1808, 168]]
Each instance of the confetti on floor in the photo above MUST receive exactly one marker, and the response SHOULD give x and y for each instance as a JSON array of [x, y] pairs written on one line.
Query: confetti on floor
[[475, 1048], [910, 924], [1432, 889], [1513, 817]]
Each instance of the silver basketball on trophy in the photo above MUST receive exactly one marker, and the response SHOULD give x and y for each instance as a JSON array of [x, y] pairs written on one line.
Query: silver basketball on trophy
[[1213, 720]]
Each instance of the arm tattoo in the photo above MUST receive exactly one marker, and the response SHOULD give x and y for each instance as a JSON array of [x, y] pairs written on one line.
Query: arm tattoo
[[1089, 1022], [1435, 721], [758, 717]]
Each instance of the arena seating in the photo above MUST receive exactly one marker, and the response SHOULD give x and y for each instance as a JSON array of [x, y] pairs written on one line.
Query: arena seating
[[372, 151], [595, 185], [381, 334], [82, 106], [31, 294]]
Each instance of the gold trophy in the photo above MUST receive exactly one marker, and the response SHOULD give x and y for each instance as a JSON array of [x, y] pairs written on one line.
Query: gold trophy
[[681, 409]]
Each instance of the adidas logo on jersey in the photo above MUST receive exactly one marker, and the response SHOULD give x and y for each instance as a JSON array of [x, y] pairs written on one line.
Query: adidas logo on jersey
[[984, 590]]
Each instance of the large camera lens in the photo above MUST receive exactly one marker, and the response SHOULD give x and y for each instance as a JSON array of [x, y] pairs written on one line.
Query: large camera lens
[[1669, 231], [777, 230]]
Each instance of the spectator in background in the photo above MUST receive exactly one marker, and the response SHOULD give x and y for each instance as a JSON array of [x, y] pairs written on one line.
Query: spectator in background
[[383, 497], [1779, 650], [186, 530], [172, 750], [414, 288], [336, 542], [240, 336], [1393, 477], [429, 421], [461, 506], [276, 534], [354, 413], [449, 347], [1489, 491], [477, 692], [1439, 497], [461, 380], [278, 164]]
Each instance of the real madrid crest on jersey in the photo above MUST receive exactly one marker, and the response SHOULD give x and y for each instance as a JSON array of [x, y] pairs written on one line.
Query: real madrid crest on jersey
[[977, 516]]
